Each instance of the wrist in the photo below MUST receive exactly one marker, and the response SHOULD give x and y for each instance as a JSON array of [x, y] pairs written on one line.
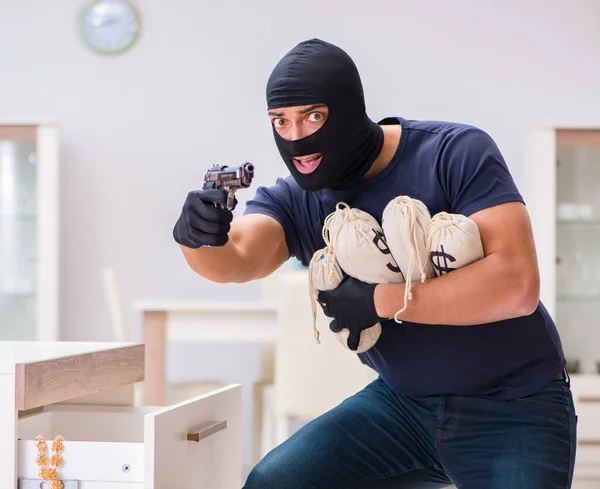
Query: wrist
[[383, 296], [378, 299]]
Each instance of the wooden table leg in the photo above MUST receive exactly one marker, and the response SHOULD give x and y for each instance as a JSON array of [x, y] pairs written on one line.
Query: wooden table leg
[[155, 338]]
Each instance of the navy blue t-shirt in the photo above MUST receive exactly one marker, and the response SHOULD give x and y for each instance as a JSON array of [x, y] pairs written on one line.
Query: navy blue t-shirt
[[458, 169]]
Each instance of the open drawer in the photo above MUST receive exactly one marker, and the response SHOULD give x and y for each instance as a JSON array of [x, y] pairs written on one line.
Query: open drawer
[[193, 444]]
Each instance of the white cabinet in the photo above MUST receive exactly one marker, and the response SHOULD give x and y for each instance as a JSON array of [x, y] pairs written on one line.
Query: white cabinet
[[577, 247], [565, 208], [196, 443], [29, 210], [566, 217], [85, 392]]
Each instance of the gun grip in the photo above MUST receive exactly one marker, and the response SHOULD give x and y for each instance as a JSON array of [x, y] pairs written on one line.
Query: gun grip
[[231, 199]]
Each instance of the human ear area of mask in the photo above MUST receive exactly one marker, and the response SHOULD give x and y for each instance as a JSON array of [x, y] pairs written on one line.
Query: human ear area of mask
[[317, 72]]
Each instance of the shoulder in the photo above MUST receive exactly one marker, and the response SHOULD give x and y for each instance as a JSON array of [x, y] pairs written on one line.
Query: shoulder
[[455, 142], [443, 140], [447, 132]]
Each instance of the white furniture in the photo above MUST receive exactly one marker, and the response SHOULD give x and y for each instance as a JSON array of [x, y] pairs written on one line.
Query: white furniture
[[565, 207], [168, 322], [84, 391], [196, 320], [174, 391], [29, 231], [565, 164]]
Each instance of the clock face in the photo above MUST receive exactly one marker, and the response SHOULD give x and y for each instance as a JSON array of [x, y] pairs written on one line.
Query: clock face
[[110, 26]]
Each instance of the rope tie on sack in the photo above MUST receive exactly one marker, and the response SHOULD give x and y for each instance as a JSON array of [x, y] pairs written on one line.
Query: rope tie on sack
[[317, 256], [347, 214], [440, 221], [412, 233]]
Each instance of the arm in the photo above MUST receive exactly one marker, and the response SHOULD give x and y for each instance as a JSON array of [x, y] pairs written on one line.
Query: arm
[[239, 250], [503, 285], [256, 248]]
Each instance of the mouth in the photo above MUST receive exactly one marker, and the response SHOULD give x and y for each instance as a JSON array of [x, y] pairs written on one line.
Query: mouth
[[307, 164]]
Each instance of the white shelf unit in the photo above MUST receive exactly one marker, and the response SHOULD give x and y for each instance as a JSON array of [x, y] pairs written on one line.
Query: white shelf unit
[[29, 231], [565, 166]]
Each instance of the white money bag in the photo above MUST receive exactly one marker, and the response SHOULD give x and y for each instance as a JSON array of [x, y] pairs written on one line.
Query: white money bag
[[404, 225], [325, 273], [453, 241], [356, 240]]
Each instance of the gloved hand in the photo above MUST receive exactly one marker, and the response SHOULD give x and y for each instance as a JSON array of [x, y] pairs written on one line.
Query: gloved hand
[[201, 222], [352, 306]]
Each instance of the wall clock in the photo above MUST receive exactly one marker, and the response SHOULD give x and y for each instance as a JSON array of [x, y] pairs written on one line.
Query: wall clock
[[109, 26]]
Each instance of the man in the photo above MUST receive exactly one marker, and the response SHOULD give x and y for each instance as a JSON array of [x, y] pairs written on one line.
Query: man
[[471, 389]]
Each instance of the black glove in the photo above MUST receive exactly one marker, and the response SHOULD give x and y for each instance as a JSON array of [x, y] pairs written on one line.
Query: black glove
[[352, 306], [201, 222]]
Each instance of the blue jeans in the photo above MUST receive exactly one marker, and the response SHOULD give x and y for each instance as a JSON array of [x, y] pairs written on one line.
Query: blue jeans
[[378, 439]]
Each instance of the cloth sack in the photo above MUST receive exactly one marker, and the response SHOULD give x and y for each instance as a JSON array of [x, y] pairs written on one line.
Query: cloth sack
[[358, 243], [355, 245], [453, 241], [325, 273], [404, 225]]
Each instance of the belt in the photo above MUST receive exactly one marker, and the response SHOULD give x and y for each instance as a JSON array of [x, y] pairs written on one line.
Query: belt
[[562, 375]]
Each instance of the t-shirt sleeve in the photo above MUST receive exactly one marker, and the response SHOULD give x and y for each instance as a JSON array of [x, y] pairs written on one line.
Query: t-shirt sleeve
[[277, 201], [473, 173]]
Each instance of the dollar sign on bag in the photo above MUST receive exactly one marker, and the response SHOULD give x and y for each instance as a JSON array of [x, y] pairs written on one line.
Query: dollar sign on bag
[[380, 238], [438, 256]]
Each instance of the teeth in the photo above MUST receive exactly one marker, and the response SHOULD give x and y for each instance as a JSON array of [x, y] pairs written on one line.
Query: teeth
[[308, 160]]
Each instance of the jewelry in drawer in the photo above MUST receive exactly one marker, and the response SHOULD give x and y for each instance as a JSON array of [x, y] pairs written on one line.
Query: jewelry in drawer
[[196, 443]]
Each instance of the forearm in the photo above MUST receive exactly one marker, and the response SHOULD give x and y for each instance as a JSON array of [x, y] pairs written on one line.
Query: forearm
[[256, 248], [485, 291], [222, 264]]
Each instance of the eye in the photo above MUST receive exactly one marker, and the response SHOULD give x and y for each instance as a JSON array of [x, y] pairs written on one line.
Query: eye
[[279, 122], [316, 116]]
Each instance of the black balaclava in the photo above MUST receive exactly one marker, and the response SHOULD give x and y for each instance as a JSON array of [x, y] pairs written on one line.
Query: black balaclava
[[316, 72]]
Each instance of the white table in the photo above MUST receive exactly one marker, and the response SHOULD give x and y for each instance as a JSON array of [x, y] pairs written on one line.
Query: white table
[[194, 320]]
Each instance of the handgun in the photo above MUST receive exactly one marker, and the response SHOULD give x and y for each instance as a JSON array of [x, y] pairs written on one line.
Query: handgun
[[230, 179]]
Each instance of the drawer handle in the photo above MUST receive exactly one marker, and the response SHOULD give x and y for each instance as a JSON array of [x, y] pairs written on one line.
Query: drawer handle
[[206, 430]]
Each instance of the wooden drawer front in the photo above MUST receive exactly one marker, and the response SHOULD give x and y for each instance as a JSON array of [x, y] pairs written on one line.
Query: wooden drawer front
[[143, 447], [213, 461], [45, 382]]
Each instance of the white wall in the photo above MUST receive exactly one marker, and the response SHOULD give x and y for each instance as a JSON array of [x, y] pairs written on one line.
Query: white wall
[[139, 130]]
